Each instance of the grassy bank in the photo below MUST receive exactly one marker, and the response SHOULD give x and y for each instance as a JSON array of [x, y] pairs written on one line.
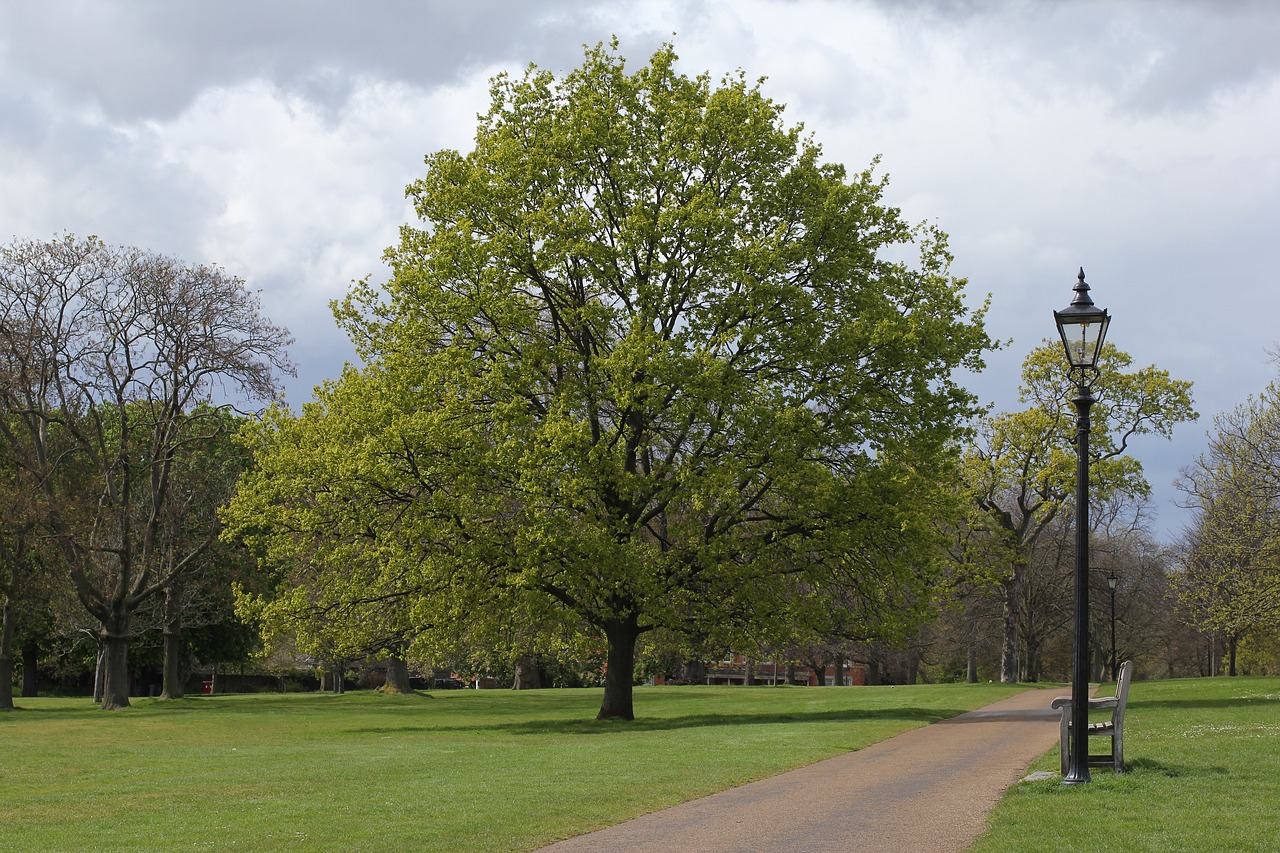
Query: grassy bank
[[1205, 776], [450, 771]]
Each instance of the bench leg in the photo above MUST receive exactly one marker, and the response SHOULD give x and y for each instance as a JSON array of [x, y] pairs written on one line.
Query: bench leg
[[1065, 738]]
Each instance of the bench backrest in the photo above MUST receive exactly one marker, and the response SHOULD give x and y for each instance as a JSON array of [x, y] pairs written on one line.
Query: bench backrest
[[1122, 692]]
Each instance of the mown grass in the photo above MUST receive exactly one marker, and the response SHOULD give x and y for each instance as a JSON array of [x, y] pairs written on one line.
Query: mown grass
[[449, 771], [1204, 757]]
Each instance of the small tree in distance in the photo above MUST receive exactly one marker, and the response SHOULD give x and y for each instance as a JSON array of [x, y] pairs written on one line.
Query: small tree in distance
[[1020, 470]]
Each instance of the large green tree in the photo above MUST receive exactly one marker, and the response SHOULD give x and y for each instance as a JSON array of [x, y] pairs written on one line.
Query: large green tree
[[661, 365], [1020, 470]]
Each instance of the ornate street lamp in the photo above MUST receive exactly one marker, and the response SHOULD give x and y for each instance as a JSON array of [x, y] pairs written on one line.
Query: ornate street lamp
[[1112, 580], [1083, 327]]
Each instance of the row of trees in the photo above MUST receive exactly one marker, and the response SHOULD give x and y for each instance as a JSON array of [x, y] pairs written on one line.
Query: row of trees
[[1229, 575], [115, 365]]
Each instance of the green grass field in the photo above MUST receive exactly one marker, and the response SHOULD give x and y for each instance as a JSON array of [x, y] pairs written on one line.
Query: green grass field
[[450, 771], [504, 771], [1204, 757]]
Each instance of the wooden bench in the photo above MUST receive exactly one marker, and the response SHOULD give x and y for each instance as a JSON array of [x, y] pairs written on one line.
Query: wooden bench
[[1112, 728]]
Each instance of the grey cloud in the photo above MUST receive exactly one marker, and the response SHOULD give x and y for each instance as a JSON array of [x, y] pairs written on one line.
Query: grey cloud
[[149, 58], [1147, 56]]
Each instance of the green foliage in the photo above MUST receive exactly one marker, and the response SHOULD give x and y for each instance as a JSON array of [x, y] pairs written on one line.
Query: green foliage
[[1024, 465]]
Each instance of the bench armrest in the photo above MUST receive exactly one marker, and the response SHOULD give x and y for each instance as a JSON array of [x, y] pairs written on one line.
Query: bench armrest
[[1065, 702]]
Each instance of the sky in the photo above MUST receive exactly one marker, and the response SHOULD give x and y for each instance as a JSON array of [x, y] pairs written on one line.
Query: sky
[[1140, 141]]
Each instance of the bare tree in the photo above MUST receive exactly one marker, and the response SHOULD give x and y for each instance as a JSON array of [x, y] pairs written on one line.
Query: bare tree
[[114, 366]]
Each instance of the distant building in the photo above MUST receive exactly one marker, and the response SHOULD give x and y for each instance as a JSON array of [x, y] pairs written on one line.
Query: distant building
[[733, 670]]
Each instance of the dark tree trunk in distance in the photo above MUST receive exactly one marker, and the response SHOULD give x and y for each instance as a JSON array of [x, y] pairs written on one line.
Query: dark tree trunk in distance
[[172, 678], [527, 675], [875, 672], [971, 668], [1033, 660], [617, 705], [397, 676], [1012, 612], [30, 668], [6, 654], [694, 672]]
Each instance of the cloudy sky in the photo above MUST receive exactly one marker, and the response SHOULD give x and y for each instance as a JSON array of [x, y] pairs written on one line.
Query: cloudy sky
[[275, 137]]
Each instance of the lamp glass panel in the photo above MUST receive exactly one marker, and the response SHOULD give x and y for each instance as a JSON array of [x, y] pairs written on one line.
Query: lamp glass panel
[[1082, 341]]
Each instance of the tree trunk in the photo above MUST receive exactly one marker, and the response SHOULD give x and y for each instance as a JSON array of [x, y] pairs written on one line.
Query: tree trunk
[[1098, 662], [397, 676], [819, 670], [838, 668], [1012, 612], [171, 686], [30, 668], [617, 704], [749, 674], [7, 617], [1032, 656], [791, 673], [99, 671], [1233, 643], [527, 677], [115, 663], [694, 672], [913, 667], [971, 666]]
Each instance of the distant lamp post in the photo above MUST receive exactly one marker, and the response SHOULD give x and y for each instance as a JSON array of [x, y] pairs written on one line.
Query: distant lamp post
[[1083, 327], [1112, 580]]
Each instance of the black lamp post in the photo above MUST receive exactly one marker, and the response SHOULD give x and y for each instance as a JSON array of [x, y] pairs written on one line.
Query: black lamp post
[[1083, 328], [1112, 580]]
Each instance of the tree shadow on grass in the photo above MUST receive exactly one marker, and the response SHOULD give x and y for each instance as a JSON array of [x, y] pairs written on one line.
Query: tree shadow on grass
[[1171, 771], [1224, 702], [689, 721]]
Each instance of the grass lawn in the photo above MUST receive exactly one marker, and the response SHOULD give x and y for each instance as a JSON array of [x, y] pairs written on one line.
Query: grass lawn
[[1205, 776], [462, 770]]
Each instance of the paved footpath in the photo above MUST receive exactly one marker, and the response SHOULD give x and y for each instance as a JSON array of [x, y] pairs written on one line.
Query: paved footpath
[[928, 789]]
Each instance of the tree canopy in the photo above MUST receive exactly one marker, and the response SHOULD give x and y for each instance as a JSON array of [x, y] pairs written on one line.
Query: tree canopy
[[647, 362]]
